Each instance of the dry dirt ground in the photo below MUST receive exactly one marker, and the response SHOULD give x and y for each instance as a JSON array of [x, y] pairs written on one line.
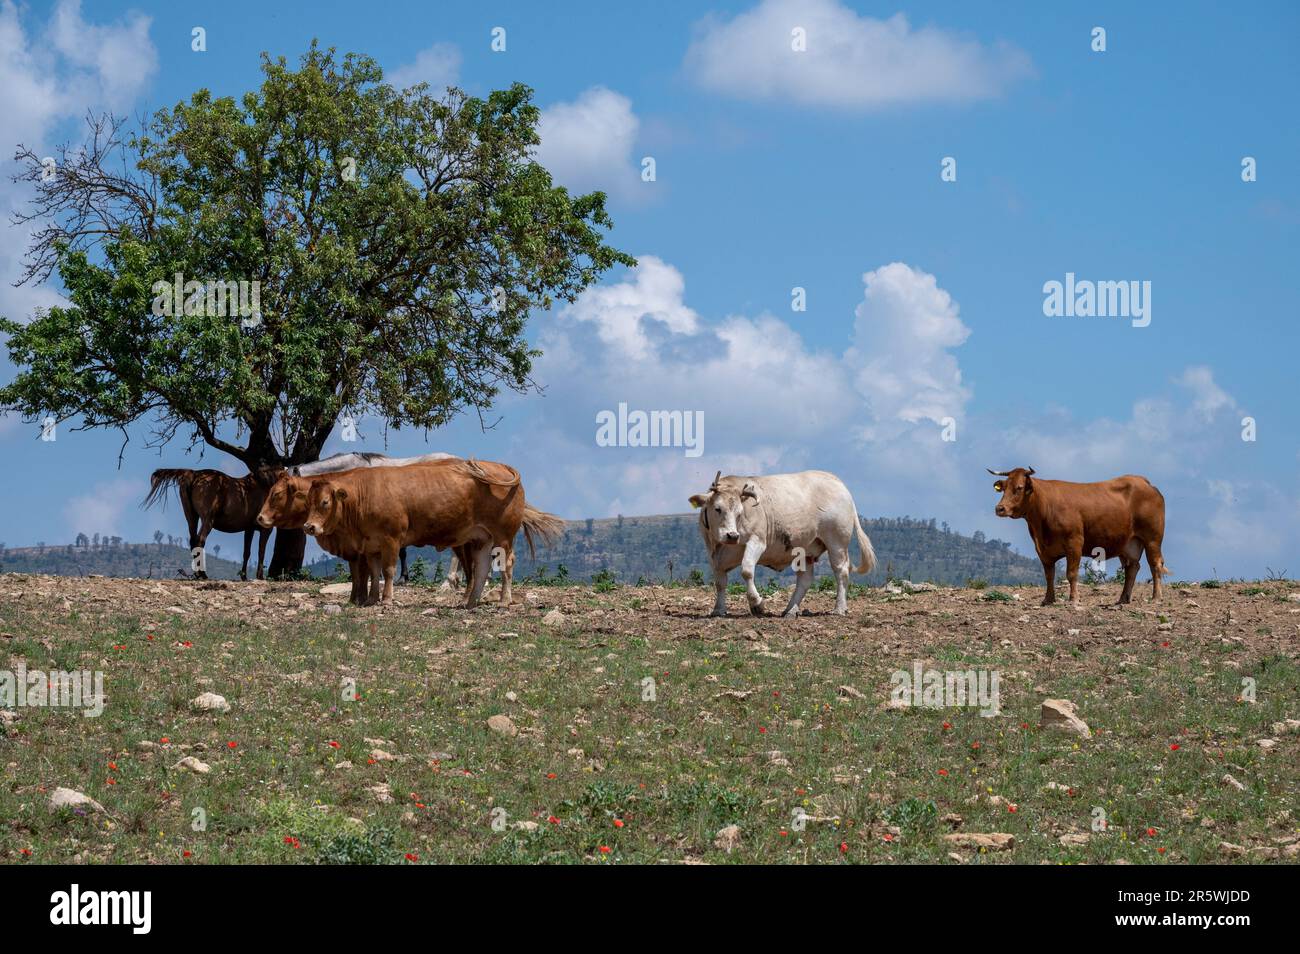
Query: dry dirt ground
[[627, 726]]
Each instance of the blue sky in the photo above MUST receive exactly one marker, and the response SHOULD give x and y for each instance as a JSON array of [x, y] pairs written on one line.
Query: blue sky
[[817, 169]]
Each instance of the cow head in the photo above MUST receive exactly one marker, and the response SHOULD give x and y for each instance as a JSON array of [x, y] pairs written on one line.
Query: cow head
[[1016, 489], [324, 502], [268, 474], [723, 509], [286, 503]]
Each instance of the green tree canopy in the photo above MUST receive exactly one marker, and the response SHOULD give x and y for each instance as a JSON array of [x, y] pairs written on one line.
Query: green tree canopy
[[393, 242]]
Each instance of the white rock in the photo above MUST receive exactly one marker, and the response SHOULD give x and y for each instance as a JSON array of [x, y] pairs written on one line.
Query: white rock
[[336, 589], [1233, 783], [502, 725], [71, 798], [210, 702], [553, 618], [194, 765], [728, 839]]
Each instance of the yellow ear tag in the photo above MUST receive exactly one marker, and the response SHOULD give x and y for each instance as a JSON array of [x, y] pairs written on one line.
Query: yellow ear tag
[[694, 504], [997, 485]]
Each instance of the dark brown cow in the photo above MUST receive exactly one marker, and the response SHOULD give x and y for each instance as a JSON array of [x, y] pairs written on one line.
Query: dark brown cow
[[1124, 518], [216, 501]]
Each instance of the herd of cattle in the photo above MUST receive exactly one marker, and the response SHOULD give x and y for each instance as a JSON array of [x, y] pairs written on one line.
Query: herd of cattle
[[368, 508]]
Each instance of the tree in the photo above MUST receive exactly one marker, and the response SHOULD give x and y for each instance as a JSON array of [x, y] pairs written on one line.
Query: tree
[[390, 243], [157, 538], [82, 540]]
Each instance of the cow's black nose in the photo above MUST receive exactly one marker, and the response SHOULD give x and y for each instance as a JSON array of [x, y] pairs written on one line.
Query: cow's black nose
[[1000, 510], [733, 537]]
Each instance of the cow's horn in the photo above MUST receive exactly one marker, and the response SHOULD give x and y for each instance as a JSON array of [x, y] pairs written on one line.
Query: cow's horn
[[1029, 472], [999, 473], [714, 485]]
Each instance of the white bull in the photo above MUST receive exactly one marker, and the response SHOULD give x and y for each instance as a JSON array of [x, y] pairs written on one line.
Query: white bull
[[351, 461], [778, 521]]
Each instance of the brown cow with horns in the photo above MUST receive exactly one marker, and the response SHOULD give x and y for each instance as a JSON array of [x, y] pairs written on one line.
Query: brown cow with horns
[[1123, 517]]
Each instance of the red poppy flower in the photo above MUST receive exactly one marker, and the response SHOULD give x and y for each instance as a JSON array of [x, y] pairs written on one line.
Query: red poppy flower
[[1013, 808], [411, 857], [844, 847], [185, 853], [164, 740], [113, 766], [550, 775], [1161, 849], [1174, 747], [889, 836], [553, 820], [943, 772], [604, 849], [974, 745], [1151, 832], [25, 852], [762, 730], [947, 726], [618, 823], [334, 745], [784, 833], [232, 745]]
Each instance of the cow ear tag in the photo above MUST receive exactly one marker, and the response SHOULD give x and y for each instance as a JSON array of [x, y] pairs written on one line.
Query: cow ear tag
[[997, 485]]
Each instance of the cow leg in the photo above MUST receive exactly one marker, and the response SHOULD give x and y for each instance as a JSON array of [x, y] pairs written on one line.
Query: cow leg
[[376, 570], [748, 563], [401, 555], [719, 592], [1156, 563], [838, 558], [261, 551], [356, 569], [507, 576], [1131, 568], [1073, 556], [1049, 572], [389, 557], [802, 581], [248, 549], [452, 580], [464, 559], [482, 567]]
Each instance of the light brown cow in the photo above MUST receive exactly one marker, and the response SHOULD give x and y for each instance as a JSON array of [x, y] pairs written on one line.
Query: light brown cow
[[374, 512], [286, 506], [1124, 518]]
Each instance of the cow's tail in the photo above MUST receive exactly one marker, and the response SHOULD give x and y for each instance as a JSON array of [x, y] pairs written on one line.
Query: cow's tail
[[164, 478], [547, 526], [868, 552], [476, 471]]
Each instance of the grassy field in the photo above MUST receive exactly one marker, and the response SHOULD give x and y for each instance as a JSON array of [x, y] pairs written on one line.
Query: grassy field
[[639, 729]]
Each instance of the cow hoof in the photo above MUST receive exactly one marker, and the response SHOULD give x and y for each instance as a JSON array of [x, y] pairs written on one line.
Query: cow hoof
[[791, 613], [719, 614], [757, 610]]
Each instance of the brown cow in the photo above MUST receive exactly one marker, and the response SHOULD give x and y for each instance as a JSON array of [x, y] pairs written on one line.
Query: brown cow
[[286, 507], [373, 512], [1124, 518]]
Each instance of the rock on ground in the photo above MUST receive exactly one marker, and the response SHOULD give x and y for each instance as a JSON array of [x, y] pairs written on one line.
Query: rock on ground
[[728, 839], [1060, 714], [502, 725], [992, 841], [71, 798], [210, 702]]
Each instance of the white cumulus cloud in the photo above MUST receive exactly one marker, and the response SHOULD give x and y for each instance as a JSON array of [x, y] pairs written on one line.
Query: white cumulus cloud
[[587, 144], [438, 65], [849, 60]]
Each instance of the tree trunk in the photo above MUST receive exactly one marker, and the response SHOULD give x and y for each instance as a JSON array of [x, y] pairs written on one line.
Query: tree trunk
[[290, 547], [288, 553]]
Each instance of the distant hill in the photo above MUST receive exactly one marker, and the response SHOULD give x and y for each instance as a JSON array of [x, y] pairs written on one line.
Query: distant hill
[[147, 560], [634, 548]]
